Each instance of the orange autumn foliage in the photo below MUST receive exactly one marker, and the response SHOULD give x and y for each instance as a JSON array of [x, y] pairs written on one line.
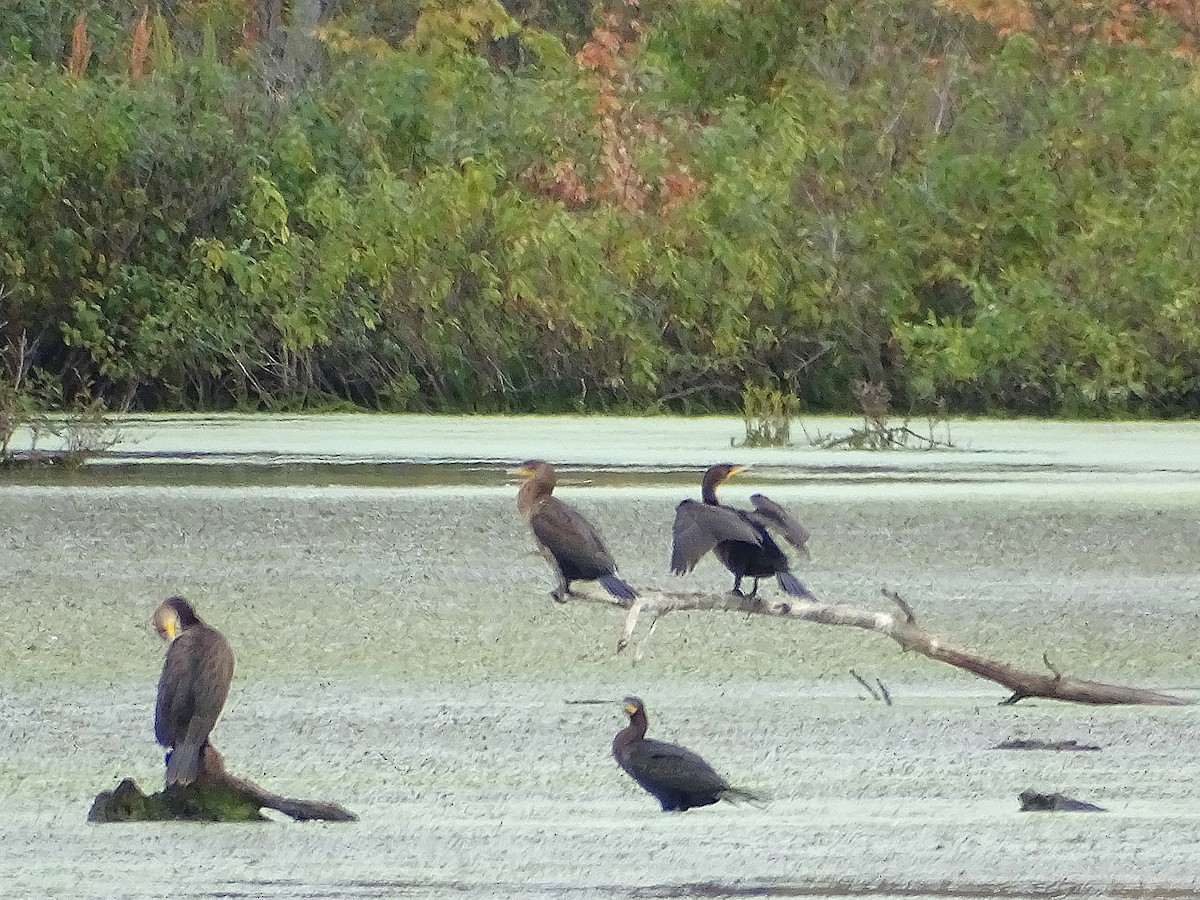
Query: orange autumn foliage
[[81, 48], [139, 47], [1114, 21]]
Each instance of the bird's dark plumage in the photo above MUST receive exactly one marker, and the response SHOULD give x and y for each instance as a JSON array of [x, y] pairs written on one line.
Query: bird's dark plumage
[[678, 778], [192, 688], [566, 538], [739, 538]]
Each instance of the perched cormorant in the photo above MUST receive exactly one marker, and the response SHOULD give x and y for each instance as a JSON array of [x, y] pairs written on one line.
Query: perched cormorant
[[570, 542], [677, 778], [739, 538], [192, 688]]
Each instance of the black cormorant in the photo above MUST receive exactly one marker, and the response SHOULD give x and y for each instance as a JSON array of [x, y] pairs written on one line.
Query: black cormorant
[[739, 538], [677, 778], [192, 688]]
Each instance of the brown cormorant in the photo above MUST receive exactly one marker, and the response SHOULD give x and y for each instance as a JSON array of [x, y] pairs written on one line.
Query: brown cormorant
[[570, 542], [677, 778], [192, 688], [739, 538]]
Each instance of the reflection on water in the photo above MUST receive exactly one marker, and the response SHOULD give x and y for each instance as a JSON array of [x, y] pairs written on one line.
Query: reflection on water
[[403, 451], [226, 471]]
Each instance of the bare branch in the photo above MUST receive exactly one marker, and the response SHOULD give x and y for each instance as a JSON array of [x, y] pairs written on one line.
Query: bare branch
[[631, 621], [901, 627], [910, 615], [645, 641], [1049, 665]]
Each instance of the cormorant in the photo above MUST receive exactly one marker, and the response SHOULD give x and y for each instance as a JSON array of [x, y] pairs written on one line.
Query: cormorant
[[677, 778], [570, 542], [192, 688], [739, 538]]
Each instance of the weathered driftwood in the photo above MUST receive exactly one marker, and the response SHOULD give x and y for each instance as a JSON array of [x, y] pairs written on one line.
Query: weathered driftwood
[[900, 626], [1036, 744], [216, 796]]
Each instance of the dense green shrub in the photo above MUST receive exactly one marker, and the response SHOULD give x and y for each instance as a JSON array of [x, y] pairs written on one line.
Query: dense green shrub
[[461, 215]]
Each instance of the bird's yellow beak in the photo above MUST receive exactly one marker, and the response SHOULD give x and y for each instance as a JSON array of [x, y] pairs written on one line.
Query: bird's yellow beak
[[630, 709], [735, 470], [519, 470], [172, 629]]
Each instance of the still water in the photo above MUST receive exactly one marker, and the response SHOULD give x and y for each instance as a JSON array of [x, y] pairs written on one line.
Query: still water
[[398, 653]]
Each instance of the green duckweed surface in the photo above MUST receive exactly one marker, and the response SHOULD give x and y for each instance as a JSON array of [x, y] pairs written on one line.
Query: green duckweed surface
[[398, 652]]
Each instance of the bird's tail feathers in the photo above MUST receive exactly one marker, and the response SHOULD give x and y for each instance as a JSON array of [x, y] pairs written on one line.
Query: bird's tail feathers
[[618, 588], [741, 795], [183, 765], [791, 584]]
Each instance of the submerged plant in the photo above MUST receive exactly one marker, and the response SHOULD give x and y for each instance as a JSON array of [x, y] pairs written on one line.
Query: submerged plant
[[767, 412], [28, 398]]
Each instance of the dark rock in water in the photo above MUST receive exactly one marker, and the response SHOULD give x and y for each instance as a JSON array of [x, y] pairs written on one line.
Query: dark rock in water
[[1032, 801], [1035, 744]]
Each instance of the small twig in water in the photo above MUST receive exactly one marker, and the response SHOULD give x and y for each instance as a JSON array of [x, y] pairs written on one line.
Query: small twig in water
[[887, 695], [866, 684]]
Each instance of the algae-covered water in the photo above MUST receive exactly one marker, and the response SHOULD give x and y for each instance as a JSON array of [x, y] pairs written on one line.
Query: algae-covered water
[[398, 652]]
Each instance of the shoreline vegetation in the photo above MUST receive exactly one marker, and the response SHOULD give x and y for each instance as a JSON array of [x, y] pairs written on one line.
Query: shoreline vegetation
[[961, 208]]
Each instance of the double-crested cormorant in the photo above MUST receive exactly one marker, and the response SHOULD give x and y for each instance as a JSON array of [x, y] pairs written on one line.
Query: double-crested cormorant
[[569, 541], [192, 688], [739, 538], [677, 778]]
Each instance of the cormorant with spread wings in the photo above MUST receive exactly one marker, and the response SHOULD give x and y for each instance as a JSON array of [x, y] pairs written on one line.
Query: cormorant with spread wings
[[739, 538]]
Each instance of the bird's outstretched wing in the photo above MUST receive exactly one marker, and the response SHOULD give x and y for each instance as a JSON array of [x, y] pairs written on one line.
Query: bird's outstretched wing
[[778, 519], [701, 526]]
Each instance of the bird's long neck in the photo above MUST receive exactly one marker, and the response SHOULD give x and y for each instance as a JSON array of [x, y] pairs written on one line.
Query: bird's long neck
[[187, 616], [634, 731], [708, 490], [532, 494]]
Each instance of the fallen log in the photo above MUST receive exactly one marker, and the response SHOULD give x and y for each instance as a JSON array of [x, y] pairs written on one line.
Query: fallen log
[[1036, 744], [215, 796], [901, 626]]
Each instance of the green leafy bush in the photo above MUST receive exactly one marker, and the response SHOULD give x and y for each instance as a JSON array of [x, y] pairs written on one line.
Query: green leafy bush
[[457, 211]]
